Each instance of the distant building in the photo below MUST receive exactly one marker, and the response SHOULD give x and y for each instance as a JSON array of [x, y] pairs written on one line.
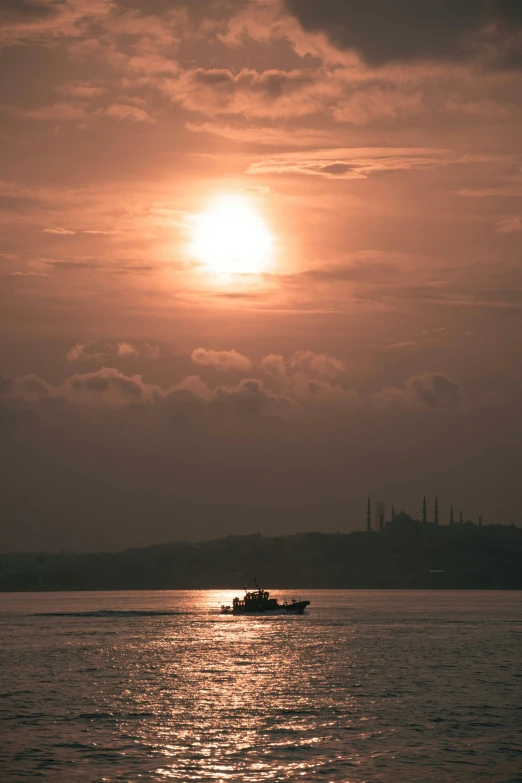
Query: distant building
[[380, 510], [402, 522]]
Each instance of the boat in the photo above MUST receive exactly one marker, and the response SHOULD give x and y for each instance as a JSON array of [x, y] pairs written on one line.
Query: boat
[[259, 602]]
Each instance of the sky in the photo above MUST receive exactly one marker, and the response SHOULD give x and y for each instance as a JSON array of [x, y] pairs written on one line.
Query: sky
[[258, 259]]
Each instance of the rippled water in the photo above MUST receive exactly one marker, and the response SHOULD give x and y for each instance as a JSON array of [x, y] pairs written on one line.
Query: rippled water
[[156, 686]]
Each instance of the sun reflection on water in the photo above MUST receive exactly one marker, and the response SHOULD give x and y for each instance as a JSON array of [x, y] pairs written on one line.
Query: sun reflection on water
[[241, 681], [337, 695]]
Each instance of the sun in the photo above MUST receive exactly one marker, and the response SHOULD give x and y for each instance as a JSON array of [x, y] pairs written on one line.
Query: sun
[[231, 238]]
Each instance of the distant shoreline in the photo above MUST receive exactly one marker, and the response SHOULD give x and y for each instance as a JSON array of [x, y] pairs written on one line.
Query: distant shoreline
[[270, 587], [418, 557]]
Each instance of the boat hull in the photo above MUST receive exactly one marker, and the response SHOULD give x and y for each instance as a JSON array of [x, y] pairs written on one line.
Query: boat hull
[[296, 607]]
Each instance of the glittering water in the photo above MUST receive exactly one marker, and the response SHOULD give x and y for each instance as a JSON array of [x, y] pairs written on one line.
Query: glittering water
[[156, 686]]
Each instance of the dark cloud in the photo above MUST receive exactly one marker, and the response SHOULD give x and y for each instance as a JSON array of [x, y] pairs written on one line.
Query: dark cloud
[[336, 168], [352, 163], [294, 385], [382, 31], [220, 91], [249, 398], [435, 390], [108, 381], [27, 10], [432, 391]]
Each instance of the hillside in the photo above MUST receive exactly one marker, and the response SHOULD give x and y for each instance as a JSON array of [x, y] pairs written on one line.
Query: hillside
[[422, 557]]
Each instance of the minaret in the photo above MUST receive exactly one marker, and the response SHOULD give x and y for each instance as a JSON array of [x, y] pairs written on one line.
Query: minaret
[[461, 520], [393, 513], [369, 517], [480, 521], [452, 519], [436, 517], [424, 512]]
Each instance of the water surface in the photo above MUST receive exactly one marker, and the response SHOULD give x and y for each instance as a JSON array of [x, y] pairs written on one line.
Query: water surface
[[157, 686]]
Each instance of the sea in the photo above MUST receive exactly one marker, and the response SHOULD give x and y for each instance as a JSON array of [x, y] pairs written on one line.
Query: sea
[[366, 686]]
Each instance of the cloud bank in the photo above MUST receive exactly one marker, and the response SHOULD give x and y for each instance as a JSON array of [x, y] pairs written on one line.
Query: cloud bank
[[405, 30]]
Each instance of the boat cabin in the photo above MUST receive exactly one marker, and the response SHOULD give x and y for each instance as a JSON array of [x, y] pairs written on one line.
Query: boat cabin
[[255, 601]]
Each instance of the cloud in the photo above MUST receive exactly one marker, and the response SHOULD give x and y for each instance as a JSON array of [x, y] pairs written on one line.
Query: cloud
[[267, 136], [76, 353], [431, 391], [292, 393], [122, 111], [81, 90], [59, 231], [61, 111], [274, 365], [305, 363], [507, 182], [437, 332], [107, 386], [302, 380], [369, 102], [352, 163], [126, 349], [75, 112], [87, 352], [509, 225], [403, 345], [230, 361], [250, 398], [33, 388], [72, 265], [502, 191], [25, 21], [151, 351], [382, 32], [323, 394], [270, 93], [321, 364]]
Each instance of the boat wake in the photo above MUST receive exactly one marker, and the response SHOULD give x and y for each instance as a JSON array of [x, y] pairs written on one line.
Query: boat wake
[[114, 613]]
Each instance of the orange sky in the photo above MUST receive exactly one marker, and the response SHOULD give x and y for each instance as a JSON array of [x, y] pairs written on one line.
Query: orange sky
[[378, 350]]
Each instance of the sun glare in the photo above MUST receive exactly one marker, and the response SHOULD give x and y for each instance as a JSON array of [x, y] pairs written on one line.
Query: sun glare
[[231, 238]]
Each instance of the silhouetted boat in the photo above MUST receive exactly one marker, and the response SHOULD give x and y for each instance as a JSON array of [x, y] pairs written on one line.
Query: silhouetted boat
[[259, 602]]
